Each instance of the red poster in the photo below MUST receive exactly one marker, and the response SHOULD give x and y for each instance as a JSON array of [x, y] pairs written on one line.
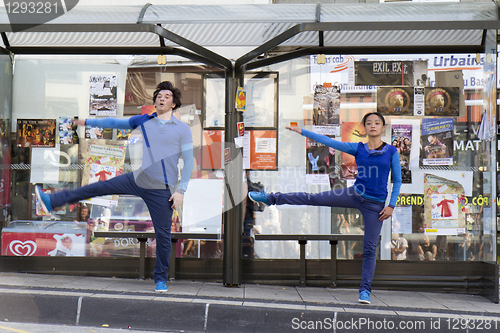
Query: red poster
[[42, 244]]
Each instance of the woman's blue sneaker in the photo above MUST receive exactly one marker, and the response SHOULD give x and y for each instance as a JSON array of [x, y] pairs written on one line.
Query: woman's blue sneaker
[[364, 297], [259, 197], [161, 287]]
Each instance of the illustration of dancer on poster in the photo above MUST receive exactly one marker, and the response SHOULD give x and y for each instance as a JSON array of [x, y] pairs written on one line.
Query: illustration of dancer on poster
[[401, 139], [437, 142]]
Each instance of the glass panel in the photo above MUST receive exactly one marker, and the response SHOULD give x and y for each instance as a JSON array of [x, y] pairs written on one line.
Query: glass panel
[[444, 210]]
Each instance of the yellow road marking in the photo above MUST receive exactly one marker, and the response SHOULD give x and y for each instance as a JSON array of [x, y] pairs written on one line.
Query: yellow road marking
[[13, 329]]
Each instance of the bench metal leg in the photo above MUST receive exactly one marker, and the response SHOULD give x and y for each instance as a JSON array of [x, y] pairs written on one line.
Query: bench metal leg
[[333, 264], [142, 257], [173, 254], [302, 281]]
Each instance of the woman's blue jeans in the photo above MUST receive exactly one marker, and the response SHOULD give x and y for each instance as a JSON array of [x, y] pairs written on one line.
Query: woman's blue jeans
[[348, 198]]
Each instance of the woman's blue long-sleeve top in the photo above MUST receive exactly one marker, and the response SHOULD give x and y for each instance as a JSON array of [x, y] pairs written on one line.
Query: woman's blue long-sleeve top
[[373, 167], [163, 145]]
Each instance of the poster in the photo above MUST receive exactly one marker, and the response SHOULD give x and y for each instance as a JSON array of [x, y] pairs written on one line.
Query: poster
[[103, 162], [326, 108], [27, 244], [98, 133], [211, 158], [444, 206], [442, 101], [240, 99], [437, 141], [102, 95], [320, 162], [260, 150], [351, 132], [402, 220], [261, 104], [384, 73], [401, 138], [66, 130], [395, 101], [123, 134], [36, 132]]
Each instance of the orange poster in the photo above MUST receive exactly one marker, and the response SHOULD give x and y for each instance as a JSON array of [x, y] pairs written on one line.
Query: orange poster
[[260, 150], [212, 149], [351, 132]]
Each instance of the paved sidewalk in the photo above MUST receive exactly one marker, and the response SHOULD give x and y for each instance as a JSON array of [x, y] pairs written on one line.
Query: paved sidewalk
[[193, 306]]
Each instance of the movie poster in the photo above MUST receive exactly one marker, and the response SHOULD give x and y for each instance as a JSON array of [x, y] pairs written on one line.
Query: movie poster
[[351, 132], [102, 95], [442, 101], [66, 130], [326, 109], [36, 132], [437, 141], [395, 101], [444, 206], [401, 138], [320, 162], [103, 162]]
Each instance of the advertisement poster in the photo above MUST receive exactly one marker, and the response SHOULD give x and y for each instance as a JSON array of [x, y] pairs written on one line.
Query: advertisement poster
[[211, 154], [102, 95], [123, 134], [320, 162], [402, 220], [384, 73], [103, 162], [259, 150], [39, 244], [442, 101], [444, 206], [66, 130], [240, 99], [351, 132], [98, 133], [36, 132], [401, 138], [395, 101], [437, 141], [261, 94], [326, 108]]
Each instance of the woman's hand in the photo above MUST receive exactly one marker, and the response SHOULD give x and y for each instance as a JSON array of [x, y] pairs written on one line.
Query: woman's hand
[[295, 129], [79, 122], [386, 213]]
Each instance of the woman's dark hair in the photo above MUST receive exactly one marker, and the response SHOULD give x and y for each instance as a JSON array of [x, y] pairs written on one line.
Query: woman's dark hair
[[375, 113], [167, 85]]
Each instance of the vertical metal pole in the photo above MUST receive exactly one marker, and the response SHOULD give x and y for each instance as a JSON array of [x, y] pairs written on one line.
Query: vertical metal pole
[[333, 263], [303, 268], [233, 179]]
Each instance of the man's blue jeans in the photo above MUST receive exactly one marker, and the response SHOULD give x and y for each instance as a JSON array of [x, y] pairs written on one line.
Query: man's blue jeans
[[348, 198], [156, 200]]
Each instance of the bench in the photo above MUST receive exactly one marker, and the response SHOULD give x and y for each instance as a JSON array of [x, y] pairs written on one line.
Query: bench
[[142, 237], [302, 239]]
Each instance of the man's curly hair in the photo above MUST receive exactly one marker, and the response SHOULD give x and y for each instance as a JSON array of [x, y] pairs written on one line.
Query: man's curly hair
[[167, 85]]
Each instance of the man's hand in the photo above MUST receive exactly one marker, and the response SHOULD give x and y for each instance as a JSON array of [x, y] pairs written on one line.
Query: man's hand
[[177, 198], [385, 213]]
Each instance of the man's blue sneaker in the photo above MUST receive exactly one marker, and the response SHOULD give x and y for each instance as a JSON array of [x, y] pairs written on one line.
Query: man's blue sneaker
[[161, 287], [364, 297], [259, 197], [44, 199]]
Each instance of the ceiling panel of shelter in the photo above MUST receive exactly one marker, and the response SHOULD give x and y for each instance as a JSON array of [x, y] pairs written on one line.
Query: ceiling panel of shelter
[[76, 39], [237, 14], [409, 12], [100, 14], [402, 38]]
